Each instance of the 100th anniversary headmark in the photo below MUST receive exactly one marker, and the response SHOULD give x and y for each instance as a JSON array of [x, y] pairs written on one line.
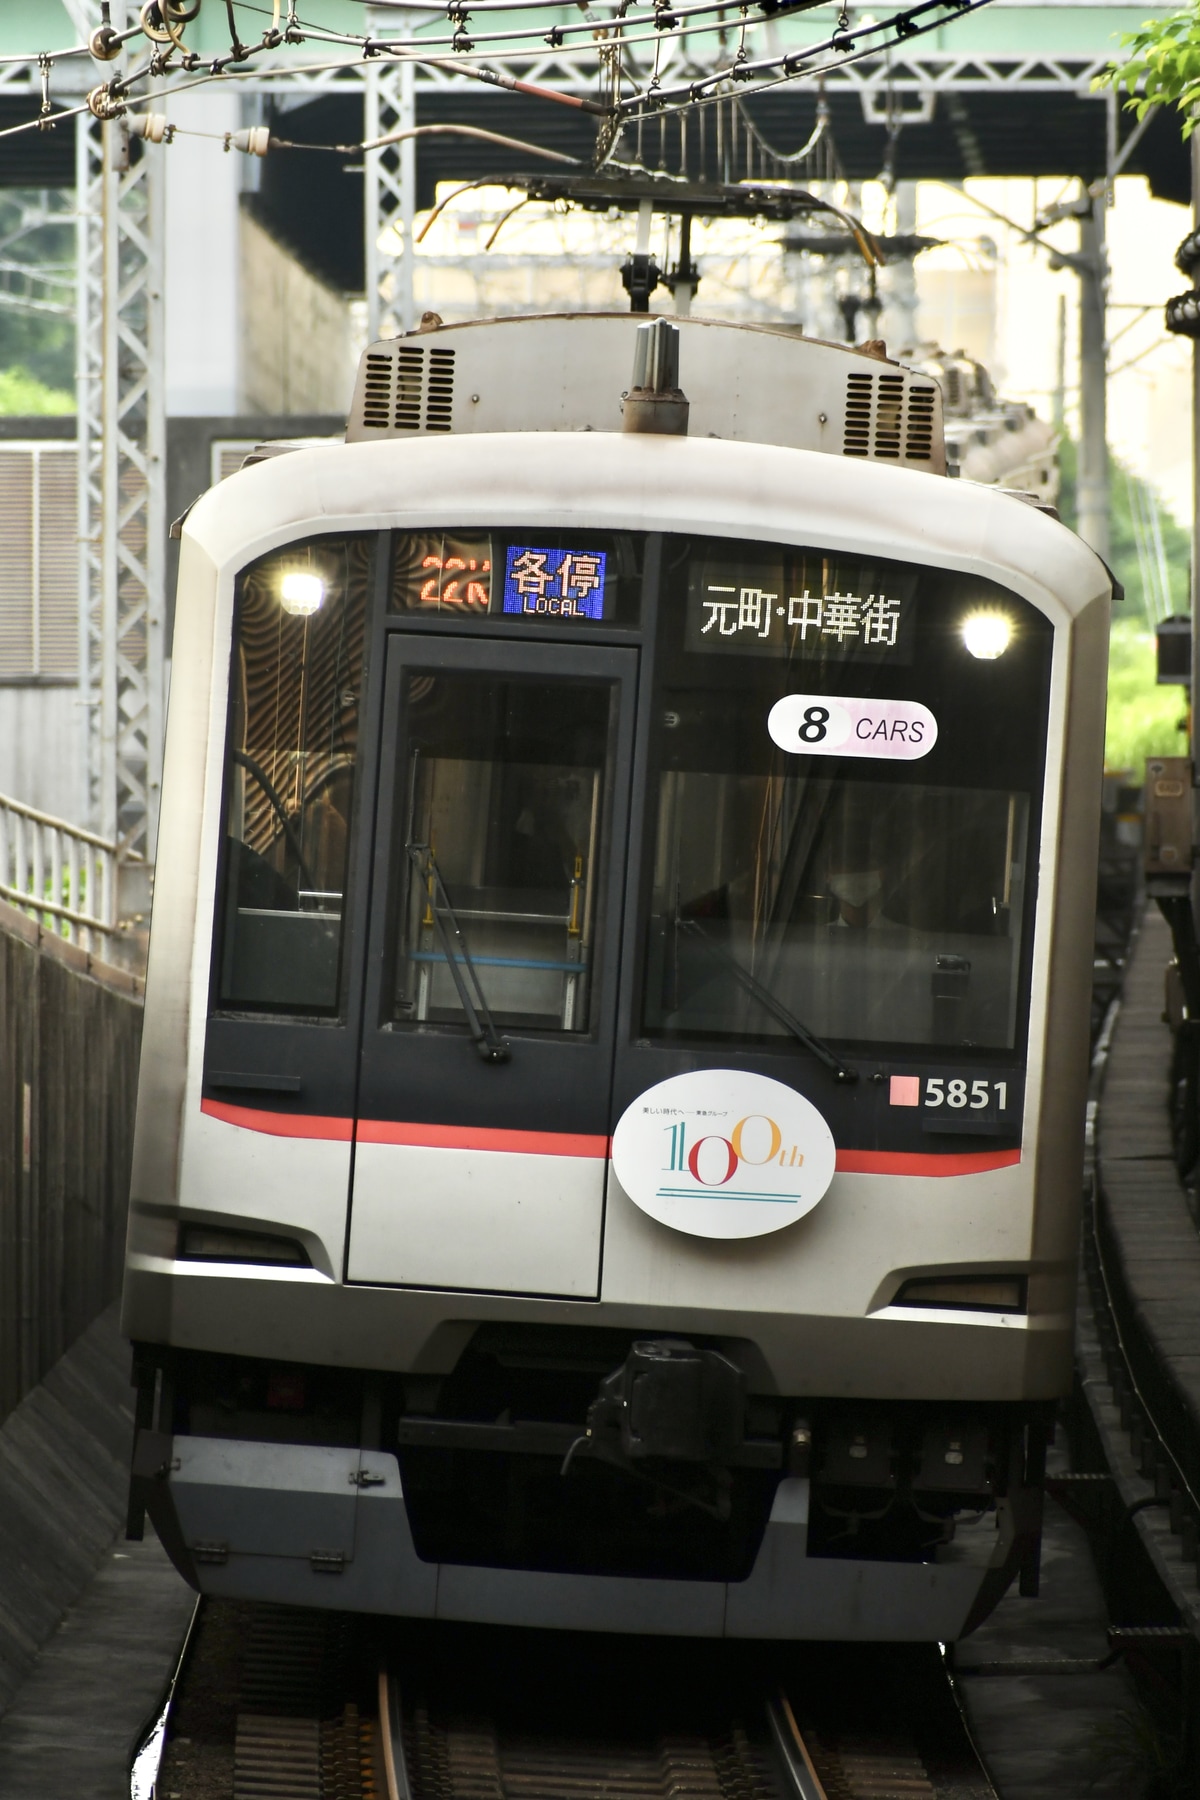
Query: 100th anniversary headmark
[[721, 1153]]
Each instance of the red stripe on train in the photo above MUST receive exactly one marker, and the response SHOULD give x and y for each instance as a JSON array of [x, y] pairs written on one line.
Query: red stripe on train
[[292, 1125], [479, 1137], [388, 1131], [942, 1162], [568, 1143]]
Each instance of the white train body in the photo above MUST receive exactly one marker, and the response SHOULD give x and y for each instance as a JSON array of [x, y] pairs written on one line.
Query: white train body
[[425, 1323]]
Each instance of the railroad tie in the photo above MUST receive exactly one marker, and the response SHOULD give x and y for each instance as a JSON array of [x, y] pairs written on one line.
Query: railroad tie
[[276, 1758], [885, 1777], [688, 1767], [574, 1769], [472, 1760]]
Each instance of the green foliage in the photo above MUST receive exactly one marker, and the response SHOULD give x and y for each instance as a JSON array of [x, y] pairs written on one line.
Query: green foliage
[[1123, 554], [1143, 718], [23, 395], [37, 324], [1162, 67]]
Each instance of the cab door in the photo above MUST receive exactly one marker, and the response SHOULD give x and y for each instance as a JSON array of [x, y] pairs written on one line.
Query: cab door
[[481, 1135]]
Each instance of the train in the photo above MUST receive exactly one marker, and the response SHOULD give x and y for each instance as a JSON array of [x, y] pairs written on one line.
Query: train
[[610, 1127]]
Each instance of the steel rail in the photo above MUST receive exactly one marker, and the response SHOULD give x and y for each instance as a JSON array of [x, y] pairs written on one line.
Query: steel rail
[[793, 1750], [151, 1740], [391, 1741]]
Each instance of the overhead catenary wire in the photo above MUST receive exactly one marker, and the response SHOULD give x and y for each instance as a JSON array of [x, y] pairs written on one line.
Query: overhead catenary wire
[[442, 130], [702, 89], [440, 206], [651, 101], [615, 31]]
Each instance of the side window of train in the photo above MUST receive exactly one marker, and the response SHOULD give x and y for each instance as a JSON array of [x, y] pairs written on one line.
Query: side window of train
[[843, 819], [296, 675]]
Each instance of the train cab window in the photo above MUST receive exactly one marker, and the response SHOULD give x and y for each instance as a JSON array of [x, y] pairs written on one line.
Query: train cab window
[[502, 846], [289, 778], [844, 813]]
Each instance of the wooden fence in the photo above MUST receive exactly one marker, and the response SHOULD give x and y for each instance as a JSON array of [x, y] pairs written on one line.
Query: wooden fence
[[70, 1032]]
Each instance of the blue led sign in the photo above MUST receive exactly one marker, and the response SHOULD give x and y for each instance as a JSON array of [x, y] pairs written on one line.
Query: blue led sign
[[557, 584]]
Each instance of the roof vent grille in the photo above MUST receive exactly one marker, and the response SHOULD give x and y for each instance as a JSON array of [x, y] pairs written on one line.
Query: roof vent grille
[[918, 438], [410, 374], [889, 410], [857, 440], [439, 396], [377, 392], [888, 419]]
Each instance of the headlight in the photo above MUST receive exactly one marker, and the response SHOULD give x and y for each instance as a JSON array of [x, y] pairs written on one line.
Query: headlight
[[987, 634]]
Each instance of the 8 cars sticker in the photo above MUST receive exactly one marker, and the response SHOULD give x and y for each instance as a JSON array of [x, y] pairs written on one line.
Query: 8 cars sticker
[[850, 725]]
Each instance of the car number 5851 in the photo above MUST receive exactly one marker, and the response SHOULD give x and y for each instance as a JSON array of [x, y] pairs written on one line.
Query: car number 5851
[[941, 1090]]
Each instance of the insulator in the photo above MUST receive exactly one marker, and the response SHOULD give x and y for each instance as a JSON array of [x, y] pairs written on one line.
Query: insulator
[[151, 126], [1183, 315], [104, 44], [102, 104], [254, 141]]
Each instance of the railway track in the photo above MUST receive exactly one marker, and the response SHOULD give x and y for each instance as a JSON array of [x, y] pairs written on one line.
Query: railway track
[[276, 1704], [715, 1744]]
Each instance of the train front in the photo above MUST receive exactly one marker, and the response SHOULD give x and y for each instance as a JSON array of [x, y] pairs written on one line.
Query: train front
[[609, 1141]]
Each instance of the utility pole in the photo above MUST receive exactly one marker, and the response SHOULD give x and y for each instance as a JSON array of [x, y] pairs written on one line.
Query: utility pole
[[1059, 402], [1090, 264], [1092, 482], [901, 299]]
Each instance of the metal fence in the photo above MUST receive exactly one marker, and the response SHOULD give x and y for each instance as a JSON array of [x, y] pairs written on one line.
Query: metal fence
[[61, 875]]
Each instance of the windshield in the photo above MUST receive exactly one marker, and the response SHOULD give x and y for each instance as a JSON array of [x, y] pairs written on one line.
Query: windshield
[[504, 781], [848, 761], [296, 676]]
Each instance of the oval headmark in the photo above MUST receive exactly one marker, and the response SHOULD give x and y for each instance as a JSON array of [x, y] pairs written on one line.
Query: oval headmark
[[722, 1153]]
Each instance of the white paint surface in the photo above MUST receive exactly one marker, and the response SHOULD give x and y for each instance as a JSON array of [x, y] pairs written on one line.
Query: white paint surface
[[485, 1220]]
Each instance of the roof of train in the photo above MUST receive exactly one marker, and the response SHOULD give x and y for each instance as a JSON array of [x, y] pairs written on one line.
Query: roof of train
[[598, 478]]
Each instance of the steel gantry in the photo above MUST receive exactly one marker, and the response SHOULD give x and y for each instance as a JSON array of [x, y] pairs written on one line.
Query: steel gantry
[[120, 317]]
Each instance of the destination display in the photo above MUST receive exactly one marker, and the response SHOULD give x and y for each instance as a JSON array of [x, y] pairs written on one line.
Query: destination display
[[560, 584], [808, 607], [471, 574]]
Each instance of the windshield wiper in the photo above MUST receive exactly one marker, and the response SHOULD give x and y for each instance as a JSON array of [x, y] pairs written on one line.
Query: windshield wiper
[[491, 1047], [823, 1052]]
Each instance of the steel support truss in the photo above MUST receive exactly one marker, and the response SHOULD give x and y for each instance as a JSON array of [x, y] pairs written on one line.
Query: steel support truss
[[121, 439], [389, 190]]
